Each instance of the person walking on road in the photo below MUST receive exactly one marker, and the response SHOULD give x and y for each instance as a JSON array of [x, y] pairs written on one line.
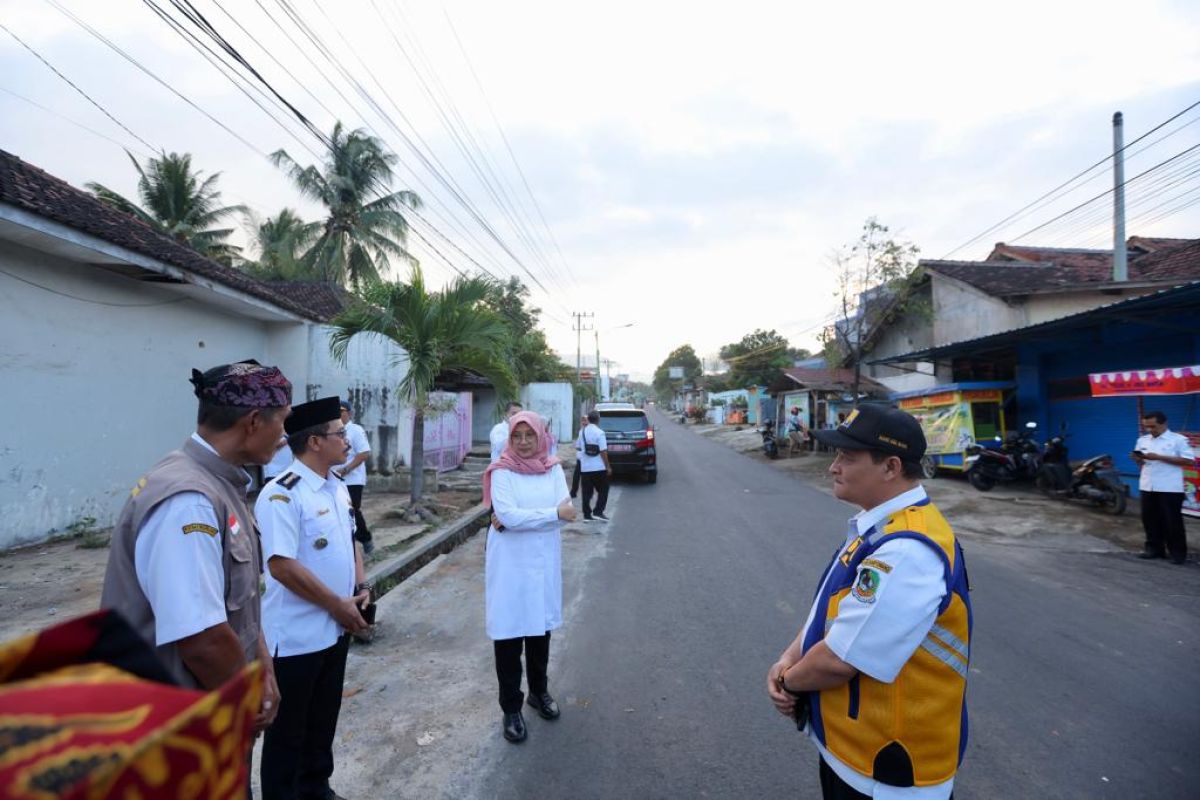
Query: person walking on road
[[499, 434], [877, 676], [583, 423], [184, 558], [592, 449], [314, 599], [354, 473], [527, 492], [1161, 455]]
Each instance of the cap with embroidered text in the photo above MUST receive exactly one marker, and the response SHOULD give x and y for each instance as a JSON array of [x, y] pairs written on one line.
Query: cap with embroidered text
[[877, 427]]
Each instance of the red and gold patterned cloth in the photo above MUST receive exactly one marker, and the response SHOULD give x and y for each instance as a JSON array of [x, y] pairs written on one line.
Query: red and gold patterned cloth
[[87, 712]]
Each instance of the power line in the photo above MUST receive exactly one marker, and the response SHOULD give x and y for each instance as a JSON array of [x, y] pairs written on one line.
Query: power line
[[72, 84], [1067, 182], [1103, 194], [76, 123]]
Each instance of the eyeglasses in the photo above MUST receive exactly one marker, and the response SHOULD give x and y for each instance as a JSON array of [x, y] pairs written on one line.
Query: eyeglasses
[[340, 434], [523, 437]]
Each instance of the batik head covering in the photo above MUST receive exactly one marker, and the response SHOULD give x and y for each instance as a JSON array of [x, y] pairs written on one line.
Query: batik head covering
[[246, 384]]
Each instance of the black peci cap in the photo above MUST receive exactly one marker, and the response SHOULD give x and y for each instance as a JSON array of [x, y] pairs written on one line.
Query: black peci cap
[[308, 415], [881, 428]]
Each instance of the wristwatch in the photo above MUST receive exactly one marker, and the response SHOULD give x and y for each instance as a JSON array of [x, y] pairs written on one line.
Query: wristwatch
[[358, 587]]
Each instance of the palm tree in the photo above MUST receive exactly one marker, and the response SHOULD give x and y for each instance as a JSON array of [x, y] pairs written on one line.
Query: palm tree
[[447, 329], [278, 241], [360, 233], [180, 202]]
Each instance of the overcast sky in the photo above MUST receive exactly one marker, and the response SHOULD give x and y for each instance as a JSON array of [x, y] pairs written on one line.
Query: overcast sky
[[696, 162]]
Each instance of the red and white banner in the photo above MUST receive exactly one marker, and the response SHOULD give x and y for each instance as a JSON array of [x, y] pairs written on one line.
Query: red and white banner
[[1169, 380]]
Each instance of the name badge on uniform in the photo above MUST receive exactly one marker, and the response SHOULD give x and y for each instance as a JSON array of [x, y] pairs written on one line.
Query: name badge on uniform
[[321, 543]]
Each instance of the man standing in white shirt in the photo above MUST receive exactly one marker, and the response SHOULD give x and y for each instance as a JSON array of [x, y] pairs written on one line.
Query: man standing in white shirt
[[1161, 455], [877, 677], [354, 473], [592, 449], [315, 597], [498, 438]]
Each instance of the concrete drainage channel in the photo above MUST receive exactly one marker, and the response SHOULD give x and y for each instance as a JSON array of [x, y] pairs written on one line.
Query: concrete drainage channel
[[386, 575]]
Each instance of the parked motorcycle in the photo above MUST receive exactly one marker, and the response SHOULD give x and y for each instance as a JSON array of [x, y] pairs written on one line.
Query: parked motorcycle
[[1095, 480], [770, 444], [1017, 459]]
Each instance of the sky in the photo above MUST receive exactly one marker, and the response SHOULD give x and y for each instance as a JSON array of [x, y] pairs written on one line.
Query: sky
[[681, 171]]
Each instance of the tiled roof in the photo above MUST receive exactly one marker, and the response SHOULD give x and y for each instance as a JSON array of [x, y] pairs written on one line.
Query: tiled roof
[[324, 300], [38, 192], [832, 380], [1014, 270], [1149, 244]]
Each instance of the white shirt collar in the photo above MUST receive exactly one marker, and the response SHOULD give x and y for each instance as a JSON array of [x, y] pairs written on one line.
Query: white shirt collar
[[864, 521], [311, 479], [198, 439]]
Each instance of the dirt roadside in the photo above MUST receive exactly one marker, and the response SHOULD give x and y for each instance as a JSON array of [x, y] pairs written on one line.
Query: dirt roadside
[[43, 584], [1008, 514]]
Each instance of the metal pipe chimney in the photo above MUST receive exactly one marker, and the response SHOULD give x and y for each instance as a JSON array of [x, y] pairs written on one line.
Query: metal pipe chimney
[[1120, 254]]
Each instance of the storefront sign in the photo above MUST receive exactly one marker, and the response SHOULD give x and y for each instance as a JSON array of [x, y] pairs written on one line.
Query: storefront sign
[[1169, 380]]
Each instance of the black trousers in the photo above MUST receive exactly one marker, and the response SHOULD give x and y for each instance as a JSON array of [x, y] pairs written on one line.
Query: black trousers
[[575, 481], [361, 532], [1162, 517], [834, 788], [598, 482], [508, 668], [297, 756]]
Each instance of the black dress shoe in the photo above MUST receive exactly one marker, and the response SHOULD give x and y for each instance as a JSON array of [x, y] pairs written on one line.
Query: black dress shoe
[[514, 727], [545, 706], [1178, 559], [1151, 554]]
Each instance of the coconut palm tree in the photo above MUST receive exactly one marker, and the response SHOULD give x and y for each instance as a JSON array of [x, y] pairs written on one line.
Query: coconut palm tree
[[180, 202], [439, 330], [279, 241], [366, 224]]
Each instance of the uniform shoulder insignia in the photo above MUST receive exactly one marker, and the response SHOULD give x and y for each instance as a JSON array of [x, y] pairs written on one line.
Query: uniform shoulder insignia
[[200, 527], [281, 497], [288, 480]]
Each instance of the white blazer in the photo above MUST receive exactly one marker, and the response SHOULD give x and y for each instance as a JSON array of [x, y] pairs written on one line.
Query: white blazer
[[523, 568]]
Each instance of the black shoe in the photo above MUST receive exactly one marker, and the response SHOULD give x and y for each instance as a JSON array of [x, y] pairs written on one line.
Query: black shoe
[[572, 495], [1178, 559], [514, 728], [587, 517], [599, 515], [1151, 554], [544, 704]]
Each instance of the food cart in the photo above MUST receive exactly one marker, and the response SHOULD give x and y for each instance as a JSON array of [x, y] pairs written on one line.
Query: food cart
[[1158, 382], [955, 416]]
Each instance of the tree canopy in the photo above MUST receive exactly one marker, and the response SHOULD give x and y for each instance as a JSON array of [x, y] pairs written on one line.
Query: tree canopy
[[682, 356], [758, 358]]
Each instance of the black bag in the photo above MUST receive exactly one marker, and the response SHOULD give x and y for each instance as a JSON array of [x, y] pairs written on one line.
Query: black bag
[[589, 448]]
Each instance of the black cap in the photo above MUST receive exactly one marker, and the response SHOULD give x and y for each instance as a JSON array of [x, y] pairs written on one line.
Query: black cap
[[880, 428], [309, 415]]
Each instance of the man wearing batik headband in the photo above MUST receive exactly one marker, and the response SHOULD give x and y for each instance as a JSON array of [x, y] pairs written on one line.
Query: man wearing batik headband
[[184, 563]]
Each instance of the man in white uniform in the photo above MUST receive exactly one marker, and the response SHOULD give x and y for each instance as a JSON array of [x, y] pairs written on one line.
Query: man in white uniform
[[498, 438], [592, 449], [315, 594], [1161, 454], [354, 473]]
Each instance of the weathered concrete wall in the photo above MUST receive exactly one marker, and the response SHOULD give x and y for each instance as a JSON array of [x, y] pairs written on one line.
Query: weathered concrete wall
[[95, 384], [367, 377], [963, 312], [484, 414], [554, 401]]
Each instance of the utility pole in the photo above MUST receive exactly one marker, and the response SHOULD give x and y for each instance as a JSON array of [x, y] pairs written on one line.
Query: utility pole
[[599, 385], [579, 317], [1120, 256]]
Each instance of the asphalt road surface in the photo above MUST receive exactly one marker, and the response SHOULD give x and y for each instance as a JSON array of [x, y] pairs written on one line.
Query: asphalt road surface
[[1084, 677]]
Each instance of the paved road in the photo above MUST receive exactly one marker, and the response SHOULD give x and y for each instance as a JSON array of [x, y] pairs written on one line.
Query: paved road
[[1084, 679]]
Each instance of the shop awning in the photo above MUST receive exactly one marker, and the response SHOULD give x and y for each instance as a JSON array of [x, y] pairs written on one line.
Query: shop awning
[[1167, 380]]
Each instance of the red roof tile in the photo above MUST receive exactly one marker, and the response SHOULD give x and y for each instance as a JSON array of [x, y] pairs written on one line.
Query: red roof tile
[[38, 192]]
